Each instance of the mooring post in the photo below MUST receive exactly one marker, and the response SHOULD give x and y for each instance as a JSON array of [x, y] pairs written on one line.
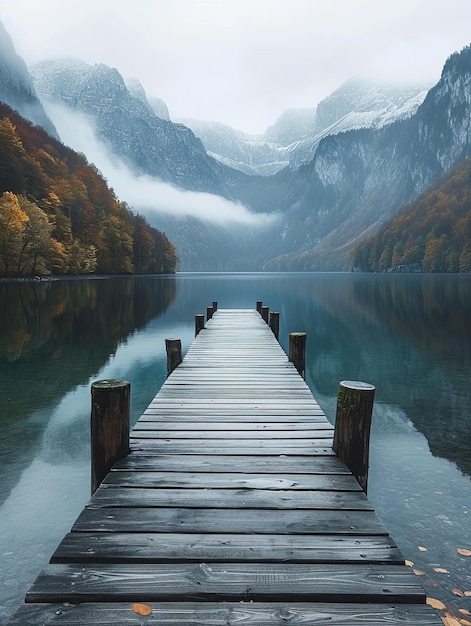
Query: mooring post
[[199, 323], [259, 306], [297, 352], [174, 354], [210, 310], [275, 324], [352, 427], [109, 426], [265, 313]]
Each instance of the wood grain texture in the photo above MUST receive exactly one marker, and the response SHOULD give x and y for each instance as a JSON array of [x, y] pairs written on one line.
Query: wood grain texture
[[227, 614], [224, 548], [276, 582]]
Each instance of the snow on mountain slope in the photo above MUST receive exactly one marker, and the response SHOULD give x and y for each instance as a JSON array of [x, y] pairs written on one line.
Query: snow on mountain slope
[[293, 139], [16, 88]]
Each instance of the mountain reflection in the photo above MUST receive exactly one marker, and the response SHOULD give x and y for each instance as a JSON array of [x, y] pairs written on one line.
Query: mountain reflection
[[55, 335], [411, 337]]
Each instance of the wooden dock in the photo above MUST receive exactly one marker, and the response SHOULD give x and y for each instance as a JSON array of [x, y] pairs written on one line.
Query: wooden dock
[[231, 508]]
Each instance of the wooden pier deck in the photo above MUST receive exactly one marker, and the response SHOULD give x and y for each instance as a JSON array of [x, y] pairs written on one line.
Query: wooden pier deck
[[230, 509]]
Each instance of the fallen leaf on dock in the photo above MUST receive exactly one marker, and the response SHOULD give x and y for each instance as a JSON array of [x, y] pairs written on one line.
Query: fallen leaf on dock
[[463, 552], [418, 572], [141, 609], [422, 549], [467, 594], [458, 592], [464, 611], [436, 604], [440, 570], [409, 563], [450, 621]]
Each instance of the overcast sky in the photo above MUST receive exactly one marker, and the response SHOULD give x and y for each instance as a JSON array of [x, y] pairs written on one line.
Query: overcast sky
[[243, 62]]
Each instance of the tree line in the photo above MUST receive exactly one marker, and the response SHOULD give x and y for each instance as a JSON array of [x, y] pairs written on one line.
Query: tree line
[[432, 234], [58, 215]]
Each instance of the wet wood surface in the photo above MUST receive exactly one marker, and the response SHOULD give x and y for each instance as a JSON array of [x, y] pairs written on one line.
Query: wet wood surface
[[231, 508]]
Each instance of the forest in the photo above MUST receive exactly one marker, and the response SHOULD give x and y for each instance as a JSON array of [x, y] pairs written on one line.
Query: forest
[[432, 234], [59, 217]]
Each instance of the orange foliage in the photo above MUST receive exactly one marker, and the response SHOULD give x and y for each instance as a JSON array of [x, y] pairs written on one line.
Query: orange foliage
[[79, 224]]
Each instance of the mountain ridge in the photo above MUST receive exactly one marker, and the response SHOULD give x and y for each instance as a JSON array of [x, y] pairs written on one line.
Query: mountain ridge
[[353, 182], [16, 87]]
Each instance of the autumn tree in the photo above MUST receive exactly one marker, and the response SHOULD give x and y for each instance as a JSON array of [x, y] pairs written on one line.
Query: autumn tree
[[12, 223], [58, 215], [33, 257]]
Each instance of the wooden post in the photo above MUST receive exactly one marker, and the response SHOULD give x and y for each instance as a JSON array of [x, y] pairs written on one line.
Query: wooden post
[[275, 324], [297, 352], [352, 427], [109, 426], [265, 313], [174, 354], [199, 323], [210, 310], [259, 306]]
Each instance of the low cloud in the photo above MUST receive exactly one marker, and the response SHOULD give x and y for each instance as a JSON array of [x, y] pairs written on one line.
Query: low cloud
[[146, 194]]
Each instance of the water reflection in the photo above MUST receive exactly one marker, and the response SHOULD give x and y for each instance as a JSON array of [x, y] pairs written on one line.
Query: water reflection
[[53, 336], [408, 335], [411, 337]]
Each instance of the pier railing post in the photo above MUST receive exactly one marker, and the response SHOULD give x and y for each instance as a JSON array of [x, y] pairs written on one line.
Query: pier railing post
[[275, 324], [265, 313], [174, 354], [199, 323], [297, 352], [109, 426], [259, 306], [352, 427], [210, 310]]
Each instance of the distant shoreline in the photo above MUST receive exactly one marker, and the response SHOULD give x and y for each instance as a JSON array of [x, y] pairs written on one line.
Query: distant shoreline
[[55, 278]]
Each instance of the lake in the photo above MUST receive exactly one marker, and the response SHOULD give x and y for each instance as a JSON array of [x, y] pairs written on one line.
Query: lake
[[408, 334]]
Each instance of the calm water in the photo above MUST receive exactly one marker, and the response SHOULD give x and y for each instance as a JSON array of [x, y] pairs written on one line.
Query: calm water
[[409, 335]]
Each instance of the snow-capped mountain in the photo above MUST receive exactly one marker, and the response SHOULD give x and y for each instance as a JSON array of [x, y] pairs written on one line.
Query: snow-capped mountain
[[157, 105], [247, 153], [354, 162], [127, 124], [295, 136], [16, 88], [358, 179], [358, 104]]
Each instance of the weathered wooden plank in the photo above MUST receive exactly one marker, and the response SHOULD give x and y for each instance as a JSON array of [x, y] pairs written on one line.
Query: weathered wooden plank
[[235, 413], [234, 480], [137, 497], [228, 389], [220, 446], [188, 427], [147, 582], [156, 433], [263, 521], [275, 464], [179, 547], [245, 404], [227, 614]]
